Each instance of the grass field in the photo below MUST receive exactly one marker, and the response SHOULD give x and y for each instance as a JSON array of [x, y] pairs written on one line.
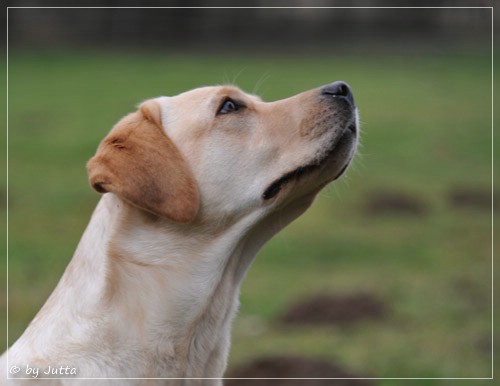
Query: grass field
[[426, 138]]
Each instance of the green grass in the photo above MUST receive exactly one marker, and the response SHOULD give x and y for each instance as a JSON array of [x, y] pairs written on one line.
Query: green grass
[[426, 131]]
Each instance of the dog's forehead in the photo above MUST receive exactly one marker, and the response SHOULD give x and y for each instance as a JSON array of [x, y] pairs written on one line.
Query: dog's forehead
[[210, 93]]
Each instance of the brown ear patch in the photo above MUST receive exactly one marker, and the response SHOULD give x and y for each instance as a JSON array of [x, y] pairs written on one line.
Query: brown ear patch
[[139, 162]]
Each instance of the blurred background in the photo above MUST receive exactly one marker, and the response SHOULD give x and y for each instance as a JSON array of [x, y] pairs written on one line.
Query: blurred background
[[388, 274]]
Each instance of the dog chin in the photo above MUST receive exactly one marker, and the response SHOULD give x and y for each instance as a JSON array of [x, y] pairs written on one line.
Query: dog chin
[[333, 164], [339, 160]]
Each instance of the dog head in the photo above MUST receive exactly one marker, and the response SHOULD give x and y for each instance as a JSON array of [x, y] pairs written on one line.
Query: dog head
[[217, 153]]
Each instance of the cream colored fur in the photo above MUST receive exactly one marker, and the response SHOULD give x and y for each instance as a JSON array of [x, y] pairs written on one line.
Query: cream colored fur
[[152, 289]]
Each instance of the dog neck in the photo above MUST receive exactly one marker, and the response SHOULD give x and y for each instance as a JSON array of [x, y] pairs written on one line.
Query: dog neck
[[159, 298], [145, 288]]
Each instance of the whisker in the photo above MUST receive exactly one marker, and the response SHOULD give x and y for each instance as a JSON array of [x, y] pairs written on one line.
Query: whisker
[[259, 82]]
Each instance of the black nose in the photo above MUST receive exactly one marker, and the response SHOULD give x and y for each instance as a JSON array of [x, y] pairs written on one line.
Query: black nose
[[338, 89]]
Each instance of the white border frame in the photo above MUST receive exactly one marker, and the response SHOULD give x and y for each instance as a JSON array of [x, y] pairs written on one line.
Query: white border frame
[[367, 378]]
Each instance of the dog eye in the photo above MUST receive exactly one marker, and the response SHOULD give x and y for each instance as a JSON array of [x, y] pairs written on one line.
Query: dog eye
[[228, 106]]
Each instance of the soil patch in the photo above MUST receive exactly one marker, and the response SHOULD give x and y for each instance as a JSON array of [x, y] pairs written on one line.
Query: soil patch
[[341, 310], [293, 367], [395, 203], [473, 198], [3, 198]]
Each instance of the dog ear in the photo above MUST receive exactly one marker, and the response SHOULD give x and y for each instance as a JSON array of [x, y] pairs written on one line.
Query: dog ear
[[139, 162]]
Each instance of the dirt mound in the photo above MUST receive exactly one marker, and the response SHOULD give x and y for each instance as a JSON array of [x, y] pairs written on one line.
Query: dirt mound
[[292, 367], [472, 198], [394, 203], [341, 310]]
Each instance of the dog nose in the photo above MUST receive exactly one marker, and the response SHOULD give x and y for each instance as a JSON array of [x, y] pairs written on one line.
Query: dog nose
[[338, 89]]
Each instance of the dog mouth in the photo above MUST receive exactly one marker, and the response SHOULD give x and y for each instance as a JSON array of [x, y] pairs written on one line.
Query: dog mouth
[[297, 173]]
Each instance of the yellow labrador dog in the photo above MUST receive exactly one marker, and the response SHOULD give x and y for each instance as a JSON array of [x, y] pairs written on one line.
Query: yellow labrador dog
[[193, 185]]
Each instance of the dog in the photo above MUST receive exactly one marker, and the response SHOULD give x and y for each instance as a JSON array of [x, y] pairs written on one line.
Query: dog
[[193, 186]]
